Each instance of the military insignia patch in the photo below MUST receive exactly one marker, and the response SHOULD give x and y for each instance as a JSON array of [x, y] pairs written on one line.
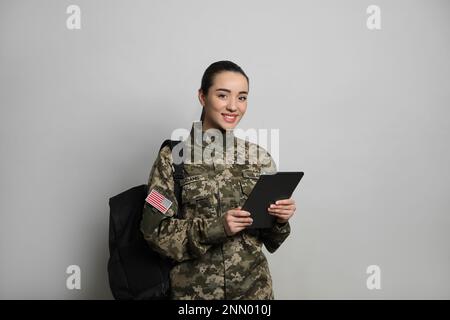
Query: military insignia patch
[[157, 200]]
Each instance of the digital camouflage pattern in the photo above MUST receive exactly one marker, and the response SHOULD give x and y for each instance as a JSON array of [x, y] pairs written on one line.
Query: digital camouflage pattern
[[210, 264]]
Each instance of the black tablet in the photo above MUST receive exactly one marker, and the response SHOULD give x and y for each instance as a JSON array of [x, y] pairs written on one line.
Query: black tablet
[[268, 189]]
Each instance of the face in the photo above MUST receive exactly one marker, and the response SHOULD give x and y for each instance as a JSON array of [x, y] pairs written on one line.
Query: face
[[226, 101]]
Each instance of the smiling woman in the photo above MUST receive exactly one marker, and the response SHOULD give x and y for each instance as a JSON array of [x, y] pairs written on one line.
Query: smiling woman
[[216, 256], [223, 95]]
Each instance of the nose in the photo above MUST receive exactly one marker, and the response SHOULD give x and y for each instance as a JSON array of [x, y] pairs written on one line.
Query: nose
[[231, 107]]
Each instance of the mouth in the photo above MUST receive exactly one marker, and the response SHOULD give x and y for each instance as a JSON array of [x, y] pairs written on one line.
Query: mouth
[[229, 117]]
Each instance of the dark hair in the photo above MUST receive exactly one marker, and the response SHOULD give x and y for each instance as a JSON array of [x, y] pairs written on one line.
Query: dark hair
[[212, 70]]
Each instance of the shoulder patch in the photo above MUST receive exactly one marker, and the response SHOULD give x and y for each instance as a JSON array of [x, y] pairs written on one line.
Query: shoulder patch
[[158, 201]]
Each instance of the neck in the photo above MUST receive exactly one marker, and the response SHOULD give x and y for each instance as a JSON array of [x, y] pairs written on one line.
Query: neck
[[207, 126], [200, 137]]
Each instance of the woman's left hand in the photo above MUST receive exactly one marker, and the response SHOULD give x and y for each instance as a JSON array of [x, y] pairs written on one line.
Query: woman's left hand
[[283, 210]]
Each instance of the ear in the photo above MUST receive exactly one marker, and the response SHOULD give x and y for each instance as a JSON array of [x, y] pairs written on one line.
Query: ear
[[201, 97]]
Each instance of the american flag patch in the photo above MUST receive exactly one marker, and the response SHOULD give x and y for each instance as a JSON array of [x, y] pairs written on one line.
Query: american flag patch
[[157, 200]]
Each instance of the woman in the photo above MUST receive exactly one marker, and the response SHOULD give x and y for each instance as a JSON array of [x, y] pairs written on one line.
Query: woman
[[217, 256]]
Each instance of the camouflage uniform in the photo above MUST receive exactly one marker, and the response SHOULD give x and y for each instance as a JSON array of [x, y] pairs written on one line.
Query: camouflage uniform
[[210, 264]]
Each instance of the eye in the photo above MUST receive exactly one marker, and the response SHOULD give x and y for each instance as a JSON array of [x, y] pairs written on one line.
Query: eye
[[243, 98], [221, 95]]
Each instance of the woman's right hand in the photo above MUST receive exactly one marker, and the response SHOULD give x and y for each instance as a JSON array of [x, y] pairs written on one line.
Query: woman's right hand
[[236, 220]]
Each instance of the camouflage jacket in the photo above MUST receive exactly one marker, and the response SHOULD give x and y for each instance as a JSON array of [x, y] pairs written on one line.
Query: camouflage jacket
[[210, 264]]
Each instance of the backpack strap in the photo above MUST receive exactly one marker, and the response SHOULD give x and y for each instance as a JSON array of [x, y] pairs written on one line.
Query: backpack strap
[[178, 173]]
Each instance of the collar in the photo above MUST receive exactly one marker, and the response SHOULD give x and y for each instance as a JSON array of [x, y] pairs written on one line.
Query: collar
[[202, 142], [209, 138]]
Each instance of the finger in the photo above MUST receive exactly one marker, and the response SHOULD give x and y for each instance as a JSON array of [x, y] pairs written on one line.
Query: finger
[[240, 213], [280, 210], [283, 206], [240, 225], [283, 214], [278, 214], [285, 201], [242, 220]]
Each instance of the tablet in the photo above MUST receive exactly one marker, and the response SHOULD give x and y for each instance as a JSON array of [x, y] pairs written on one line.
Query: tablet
[[268, 189]]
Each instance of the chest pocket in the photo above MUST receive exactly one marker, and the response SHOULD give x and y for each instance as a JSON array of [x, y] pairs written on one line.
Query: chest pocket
[[248, 181], [197, 196]]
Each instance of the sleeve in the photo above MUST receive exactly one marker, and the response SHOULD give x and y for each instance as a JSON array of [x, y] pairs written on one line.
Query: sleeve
[[274, 237], [179, 239]]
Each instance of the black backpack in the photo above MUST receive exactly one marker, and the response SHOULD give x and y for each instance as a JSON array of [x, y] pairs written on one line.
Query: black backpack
[[135, 271]]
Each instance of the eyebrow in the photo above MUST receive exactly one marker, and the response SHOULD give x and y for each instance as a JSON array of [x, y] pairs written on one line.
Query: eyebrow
[[229, 91]]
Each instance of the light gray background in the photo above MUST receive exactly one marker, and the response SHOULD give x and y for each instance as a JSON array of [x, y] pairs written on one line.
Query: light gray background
[[363, 113]]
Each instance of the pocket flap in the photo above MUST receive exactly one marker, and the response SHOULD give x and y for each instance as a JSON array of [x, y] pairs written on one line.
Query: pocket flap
[[195, 188], [251, 174], [191, 179]]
